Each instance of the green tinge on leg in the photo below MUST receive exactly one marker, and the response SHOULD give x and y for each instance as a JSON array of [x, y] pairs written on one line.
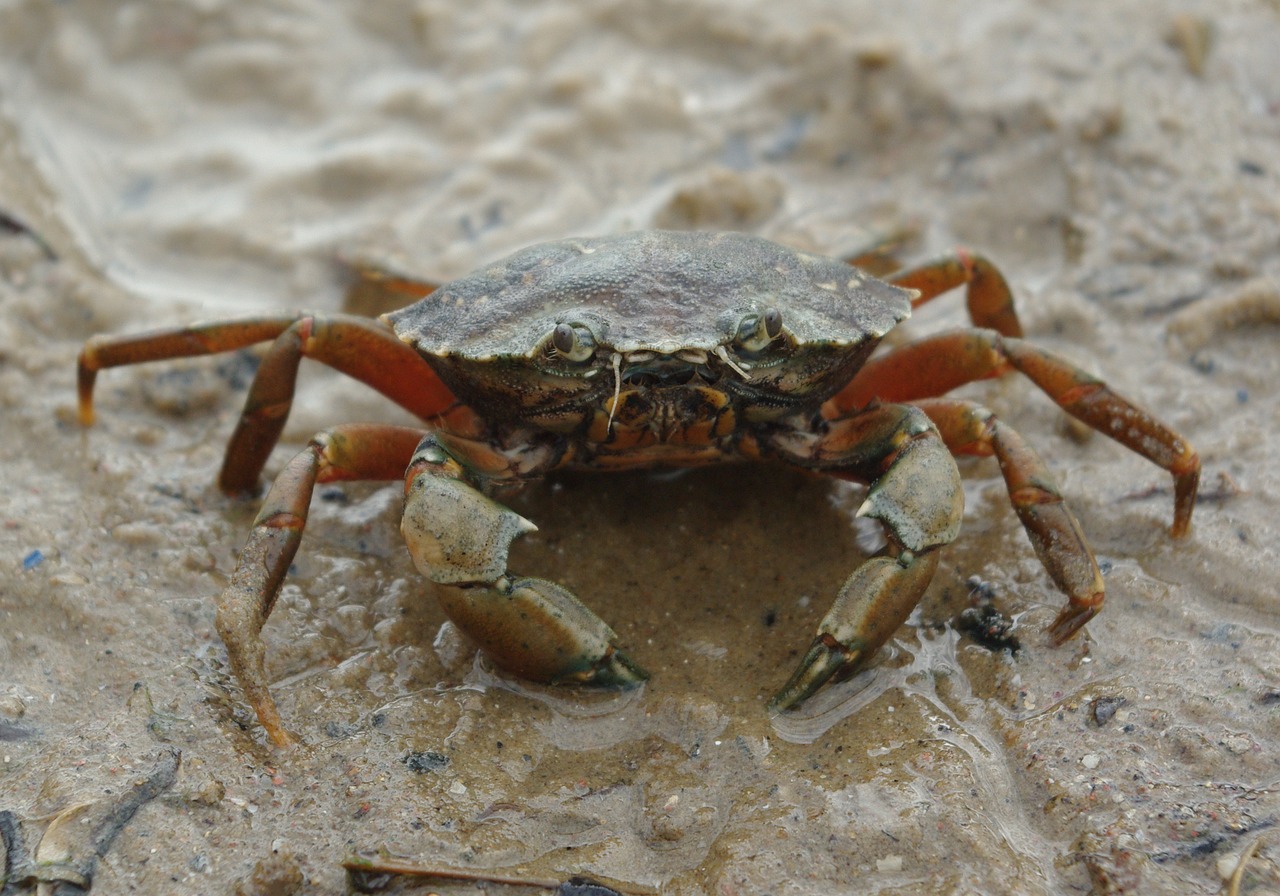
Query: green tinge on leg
[[873, 603], [540, 631], [823, 660]]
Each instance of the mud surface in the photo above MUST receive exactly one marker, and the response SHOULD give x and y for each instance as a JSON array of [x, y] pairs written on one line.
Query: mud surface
[[197, 159]]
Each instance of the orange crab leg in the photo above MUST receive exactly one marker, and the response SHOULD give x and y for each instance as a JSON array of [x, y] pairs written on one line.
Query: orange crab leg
[[366, 350], [386, 286], [355, 451], [104, 351], [969, 428], [877, 255], [988, 296], [938, 364]]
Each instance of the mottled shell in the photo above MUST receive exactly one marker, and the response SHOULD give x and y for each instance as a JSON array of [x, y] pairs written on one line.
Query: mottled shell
[[650, 290]]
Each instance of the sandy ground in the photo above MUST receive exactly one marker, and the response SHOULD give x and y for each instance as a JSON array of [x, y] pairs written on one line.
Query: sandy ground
[[197, 159]]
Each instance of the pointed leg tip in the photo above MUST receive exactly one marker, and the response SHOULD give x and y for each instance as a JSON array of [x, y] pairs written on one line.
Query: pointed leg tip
[[1185, 487], [283, 739], [264, 707], [782, 701], [613, 670], [1072, 618], [822, 661], [617, 670]]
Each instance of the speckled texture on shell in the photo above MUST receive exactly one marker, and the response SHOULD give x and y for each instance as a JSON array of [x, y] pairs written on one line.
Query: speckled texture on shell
[[654, 290]]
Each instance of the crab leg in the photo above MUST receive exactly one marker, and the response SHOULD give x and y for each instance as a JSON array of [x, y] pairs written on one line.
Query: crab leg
[[355, 451], [383, 286], [969, 428], [364, 349], [916, 494], [988, 296], [459, 539], [938, 364]]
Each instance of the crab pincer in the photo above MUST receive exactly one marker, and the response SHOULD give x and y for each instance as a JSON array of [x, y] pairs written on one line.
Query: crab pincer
[[533, 628]]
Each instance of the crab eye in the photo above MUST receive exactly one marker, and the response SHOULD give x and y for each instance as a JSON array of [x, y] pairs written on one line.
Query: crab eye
[[772, 322], [573, 341], [756, 331]]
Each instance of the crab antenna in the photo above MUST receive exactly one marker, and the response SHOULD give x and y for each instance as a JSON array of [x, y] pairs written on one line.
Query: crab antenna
[[617, 390], [724, 356]]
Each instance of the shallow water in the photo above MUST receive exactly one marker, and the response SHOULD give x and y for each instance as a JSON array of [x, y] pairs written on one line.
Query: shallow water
[[200, 159]]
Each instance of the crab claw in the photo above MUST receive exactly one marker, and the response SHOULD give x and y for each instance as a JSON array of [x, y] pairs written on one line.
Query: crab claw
[[539, 631], [825, 657], [873, 603], [459, 538], [455, 534]]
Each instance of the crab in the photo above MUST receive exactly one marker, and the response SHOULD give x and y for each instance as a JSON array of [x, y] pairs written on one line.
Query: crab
[[641, 350]]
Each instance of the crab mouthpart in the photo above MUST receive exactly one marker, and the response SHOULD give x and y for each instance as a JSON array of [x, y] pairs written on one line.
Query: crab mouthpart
[[662, 369], [659, 374]]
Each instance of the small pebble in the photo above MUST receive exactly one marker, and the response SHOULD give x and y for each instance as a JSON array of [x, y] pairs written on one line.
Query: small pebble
[[68, 578], [1090, 760], [1238, 743], [422, 761], [276, 875], [1104, 708], [209, 793], [12, 707], [889, 864], [1227, 865], [1193, 36]]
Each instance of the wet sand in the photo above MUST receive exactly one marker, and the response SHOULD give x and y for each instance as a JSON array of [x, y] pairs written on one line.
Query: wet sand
[[196, 160]]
